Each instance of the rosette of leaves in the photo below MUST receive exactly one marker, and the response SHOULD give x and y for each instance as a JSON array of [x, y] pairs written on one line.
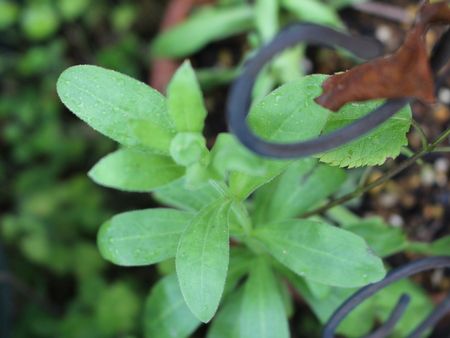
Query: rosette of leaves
[[230, 237]]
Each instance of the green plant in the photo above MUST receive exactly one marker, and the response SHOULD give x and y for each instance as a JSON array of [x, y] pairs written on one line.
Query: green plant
[[49, 208], [232, 237], [258, 23]]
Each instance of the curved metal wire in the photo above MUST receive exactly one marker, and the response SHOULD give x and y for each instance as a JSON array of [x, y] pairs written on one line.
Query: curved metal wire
[[239, 99], [395, 275], [238, 106]]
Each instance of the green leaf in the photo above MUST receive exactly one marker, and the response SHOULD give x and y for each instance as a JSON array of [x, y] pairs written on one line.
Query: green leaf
[[262, 311], [374, 148], [185, 100], [302, 186], [202, 260], [313, 11], [290, 113], [9, 11], [228, 154], [240, 263], [111, 318], [122, 108], [243, 184], [440, 247], [189, 148], [322, 253], [134, 170], [71, 10], [357, 324], [142, 237], [39, 20], [418, 309], [338, 4], [176, 195], [383, 239], [209, 24], [224, 324], [287, 114], [166, 313], [266, 12]]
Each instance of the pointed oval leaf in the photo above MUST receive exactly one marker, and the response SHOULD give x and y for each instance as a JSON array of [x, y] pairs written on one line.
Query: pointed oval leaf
[[118, 106], [302, 186], [185, 100], [142, 237], [135, 170], [322, 253], [178, 196], [267, 18], [166, 314], [224, 324], [202, 260], [314, 11], [385, 141], [207, 25], [262, 312], [289, 113]]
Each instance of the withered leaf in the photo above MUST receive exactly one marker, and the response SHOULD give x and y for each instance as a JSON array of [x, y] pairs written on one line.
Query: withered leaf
[[406, 73]]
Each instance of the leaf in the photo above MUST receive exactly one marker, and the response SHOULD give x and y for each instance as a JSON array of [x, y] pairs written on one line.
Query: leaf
[[122, 108], [266, 13], [373, 148], [142, 237], [338, 4], [313, 11], [383, 239], [440, 247], [243, 184], [207, 25], [240, 263], [418, 309], [262, 312], [202, 260], [176, 195], [359, 321], [135, 170], [407, 73], [166, 313], [289, 113], [322, 253], [228, 154], [224, 324], [187, 149], [110, 318], [185, 100], [302, 186]]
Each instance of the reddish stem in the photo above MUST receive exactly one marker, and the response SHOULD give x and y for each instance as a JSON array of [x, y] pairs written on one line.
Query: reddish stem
[[162, 68]]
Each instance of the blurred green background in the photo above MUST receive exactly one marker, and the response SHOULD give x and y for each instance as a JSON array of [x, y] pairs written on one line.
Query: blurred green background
[[58, 285]]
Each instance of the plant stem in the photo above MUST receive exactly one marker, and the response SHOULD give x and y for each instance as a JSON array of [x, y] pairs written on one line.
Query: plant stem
[[418, 128], [383, 179], [441, 150]]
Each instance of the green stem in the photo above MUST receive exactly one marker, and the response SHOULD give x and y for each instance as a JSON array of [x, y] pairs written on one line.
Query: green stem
[[423, 137], [383, 179]]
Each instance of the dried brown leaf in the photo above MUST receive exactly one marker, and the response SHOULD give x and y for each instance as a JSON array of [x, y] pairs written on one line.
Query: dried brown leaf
[[406, 73]]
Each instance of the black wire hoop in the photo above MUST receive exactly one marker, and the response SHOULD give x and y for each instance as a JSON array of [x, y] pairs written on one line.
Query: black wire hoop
[[238, 106], [239, 99], [395, 275]]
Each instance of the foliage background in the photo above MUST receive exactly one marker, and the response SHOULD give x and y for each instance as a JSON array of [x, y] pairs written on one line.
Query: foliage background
[[50, 211]]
